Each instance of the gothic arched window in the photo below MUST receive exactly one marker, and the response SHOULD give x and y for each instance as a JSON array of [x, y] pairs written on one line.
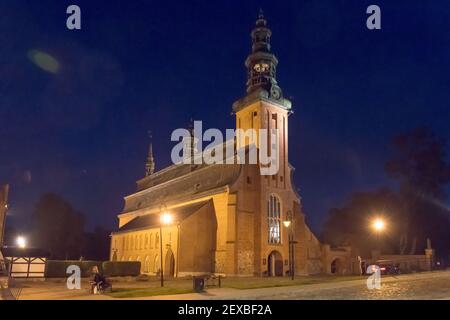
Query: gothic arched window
[[274, 219], [156, 265], [147, 264]]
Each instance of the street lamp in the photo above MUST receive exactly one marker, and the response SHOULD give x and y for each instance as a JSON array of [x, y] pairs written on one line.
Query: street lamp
[[165, 219], [288, 224], [378, 225], [21, 242]]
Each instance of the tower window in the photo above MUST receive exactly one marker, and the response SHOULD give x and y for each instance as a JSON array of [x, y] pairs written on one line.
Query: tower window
[[274, 219], [261, 67]]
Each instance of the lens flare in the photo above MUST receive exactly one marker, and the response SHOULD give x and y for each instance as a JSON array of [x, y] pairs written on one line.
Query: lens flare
[[44, 61]]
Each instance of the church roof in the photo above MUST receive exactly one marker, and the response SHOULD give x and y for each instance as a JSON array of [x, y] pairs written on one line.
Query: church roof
[[152, 220], [181, 180]]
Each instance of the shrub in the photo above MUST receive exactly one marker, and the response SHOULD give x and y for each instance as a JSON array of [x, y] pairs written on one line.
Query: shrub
[[121, 268], [58, 268]]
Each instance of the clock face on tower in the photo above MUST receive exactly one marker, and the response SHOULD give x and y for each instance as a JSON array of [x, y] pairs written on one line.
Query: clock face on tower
[[261, 67]]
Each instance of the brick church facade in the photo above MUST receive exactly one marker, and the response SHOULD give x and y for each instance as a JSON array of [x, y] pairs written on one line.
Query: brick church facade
[[228, 218]]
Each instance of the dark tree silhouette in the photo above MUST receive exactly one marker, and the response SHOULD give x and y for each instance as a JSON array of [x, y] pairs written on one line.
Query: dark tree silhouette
[[415, 213], [97, 244], [351, 224], [419, 165], [11, 233], [58, 227]]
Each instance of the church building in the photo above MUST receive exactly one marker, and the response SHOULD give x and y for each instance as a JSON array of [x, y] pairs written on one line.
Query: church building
[[226, 219]]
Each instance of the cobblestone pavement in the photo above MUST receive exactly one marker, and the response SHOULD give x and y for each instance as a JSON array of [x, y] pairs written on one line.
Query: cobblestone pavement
[[397, 289], [430, 285], [423, 286]]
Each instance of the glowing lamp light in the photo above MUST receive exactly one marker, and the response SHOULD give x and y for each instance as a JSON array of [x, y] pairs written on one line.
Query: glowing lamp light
[[287, 223], [21, 242], [379, 225], [166, 218]]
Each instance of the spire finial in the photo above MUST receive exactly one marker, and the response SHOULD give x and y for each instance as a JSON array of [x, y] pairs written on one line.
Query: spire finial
[[261, 13], [261, 21], [150, 164]]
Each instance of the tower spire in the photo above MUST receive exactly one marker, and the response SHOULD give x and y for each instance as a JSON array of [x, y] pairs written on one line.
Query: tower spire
[[150, 164], [261, 13], [262, 66], [262, 63]]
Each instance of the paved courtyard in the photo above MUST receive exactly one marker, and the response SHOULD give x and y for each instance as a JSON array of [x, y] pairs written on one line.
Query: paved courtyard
[[424, 286], [431, 285]]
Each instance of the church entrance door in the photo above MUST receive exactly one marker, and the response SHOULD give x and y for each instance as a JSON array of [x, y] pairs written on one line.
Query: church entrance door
[[275, 264]]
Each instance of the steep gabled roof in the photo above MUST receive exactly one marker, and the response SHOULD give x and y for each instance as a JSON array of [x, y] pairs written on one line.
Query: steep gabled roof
[[185, 184], [152, 220]]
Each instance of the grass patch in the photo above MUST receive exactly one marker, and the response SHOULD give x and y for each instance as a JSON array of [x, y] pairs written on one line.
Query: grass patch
[[146, 292], [255, 283], [179, 286]]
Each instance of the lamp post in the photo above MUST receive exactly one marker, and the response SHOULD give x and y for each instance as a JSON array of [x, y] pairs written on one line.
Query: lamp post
[[289, 225], [165, 219], [160, 255], [378, 225]]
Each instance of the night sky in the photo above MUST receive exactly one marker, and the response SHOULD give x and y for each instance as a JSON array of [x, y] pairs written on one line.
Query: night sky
[[79, 127]]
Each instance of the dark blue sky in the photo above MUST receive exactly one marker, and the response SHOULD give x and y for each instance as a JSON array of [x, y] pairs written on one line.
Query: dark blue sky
[[147, 65]]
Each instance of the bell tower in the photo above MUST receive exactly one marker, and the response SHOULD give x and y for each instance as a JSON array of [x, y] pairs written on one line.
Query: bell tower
[[262, 63], [264, 106]]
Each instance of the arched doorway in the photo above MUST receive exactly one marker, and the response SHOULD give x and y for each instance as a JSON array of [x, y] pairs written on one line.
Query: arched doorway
[[275, 262], [337, 266], [169, 264]]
